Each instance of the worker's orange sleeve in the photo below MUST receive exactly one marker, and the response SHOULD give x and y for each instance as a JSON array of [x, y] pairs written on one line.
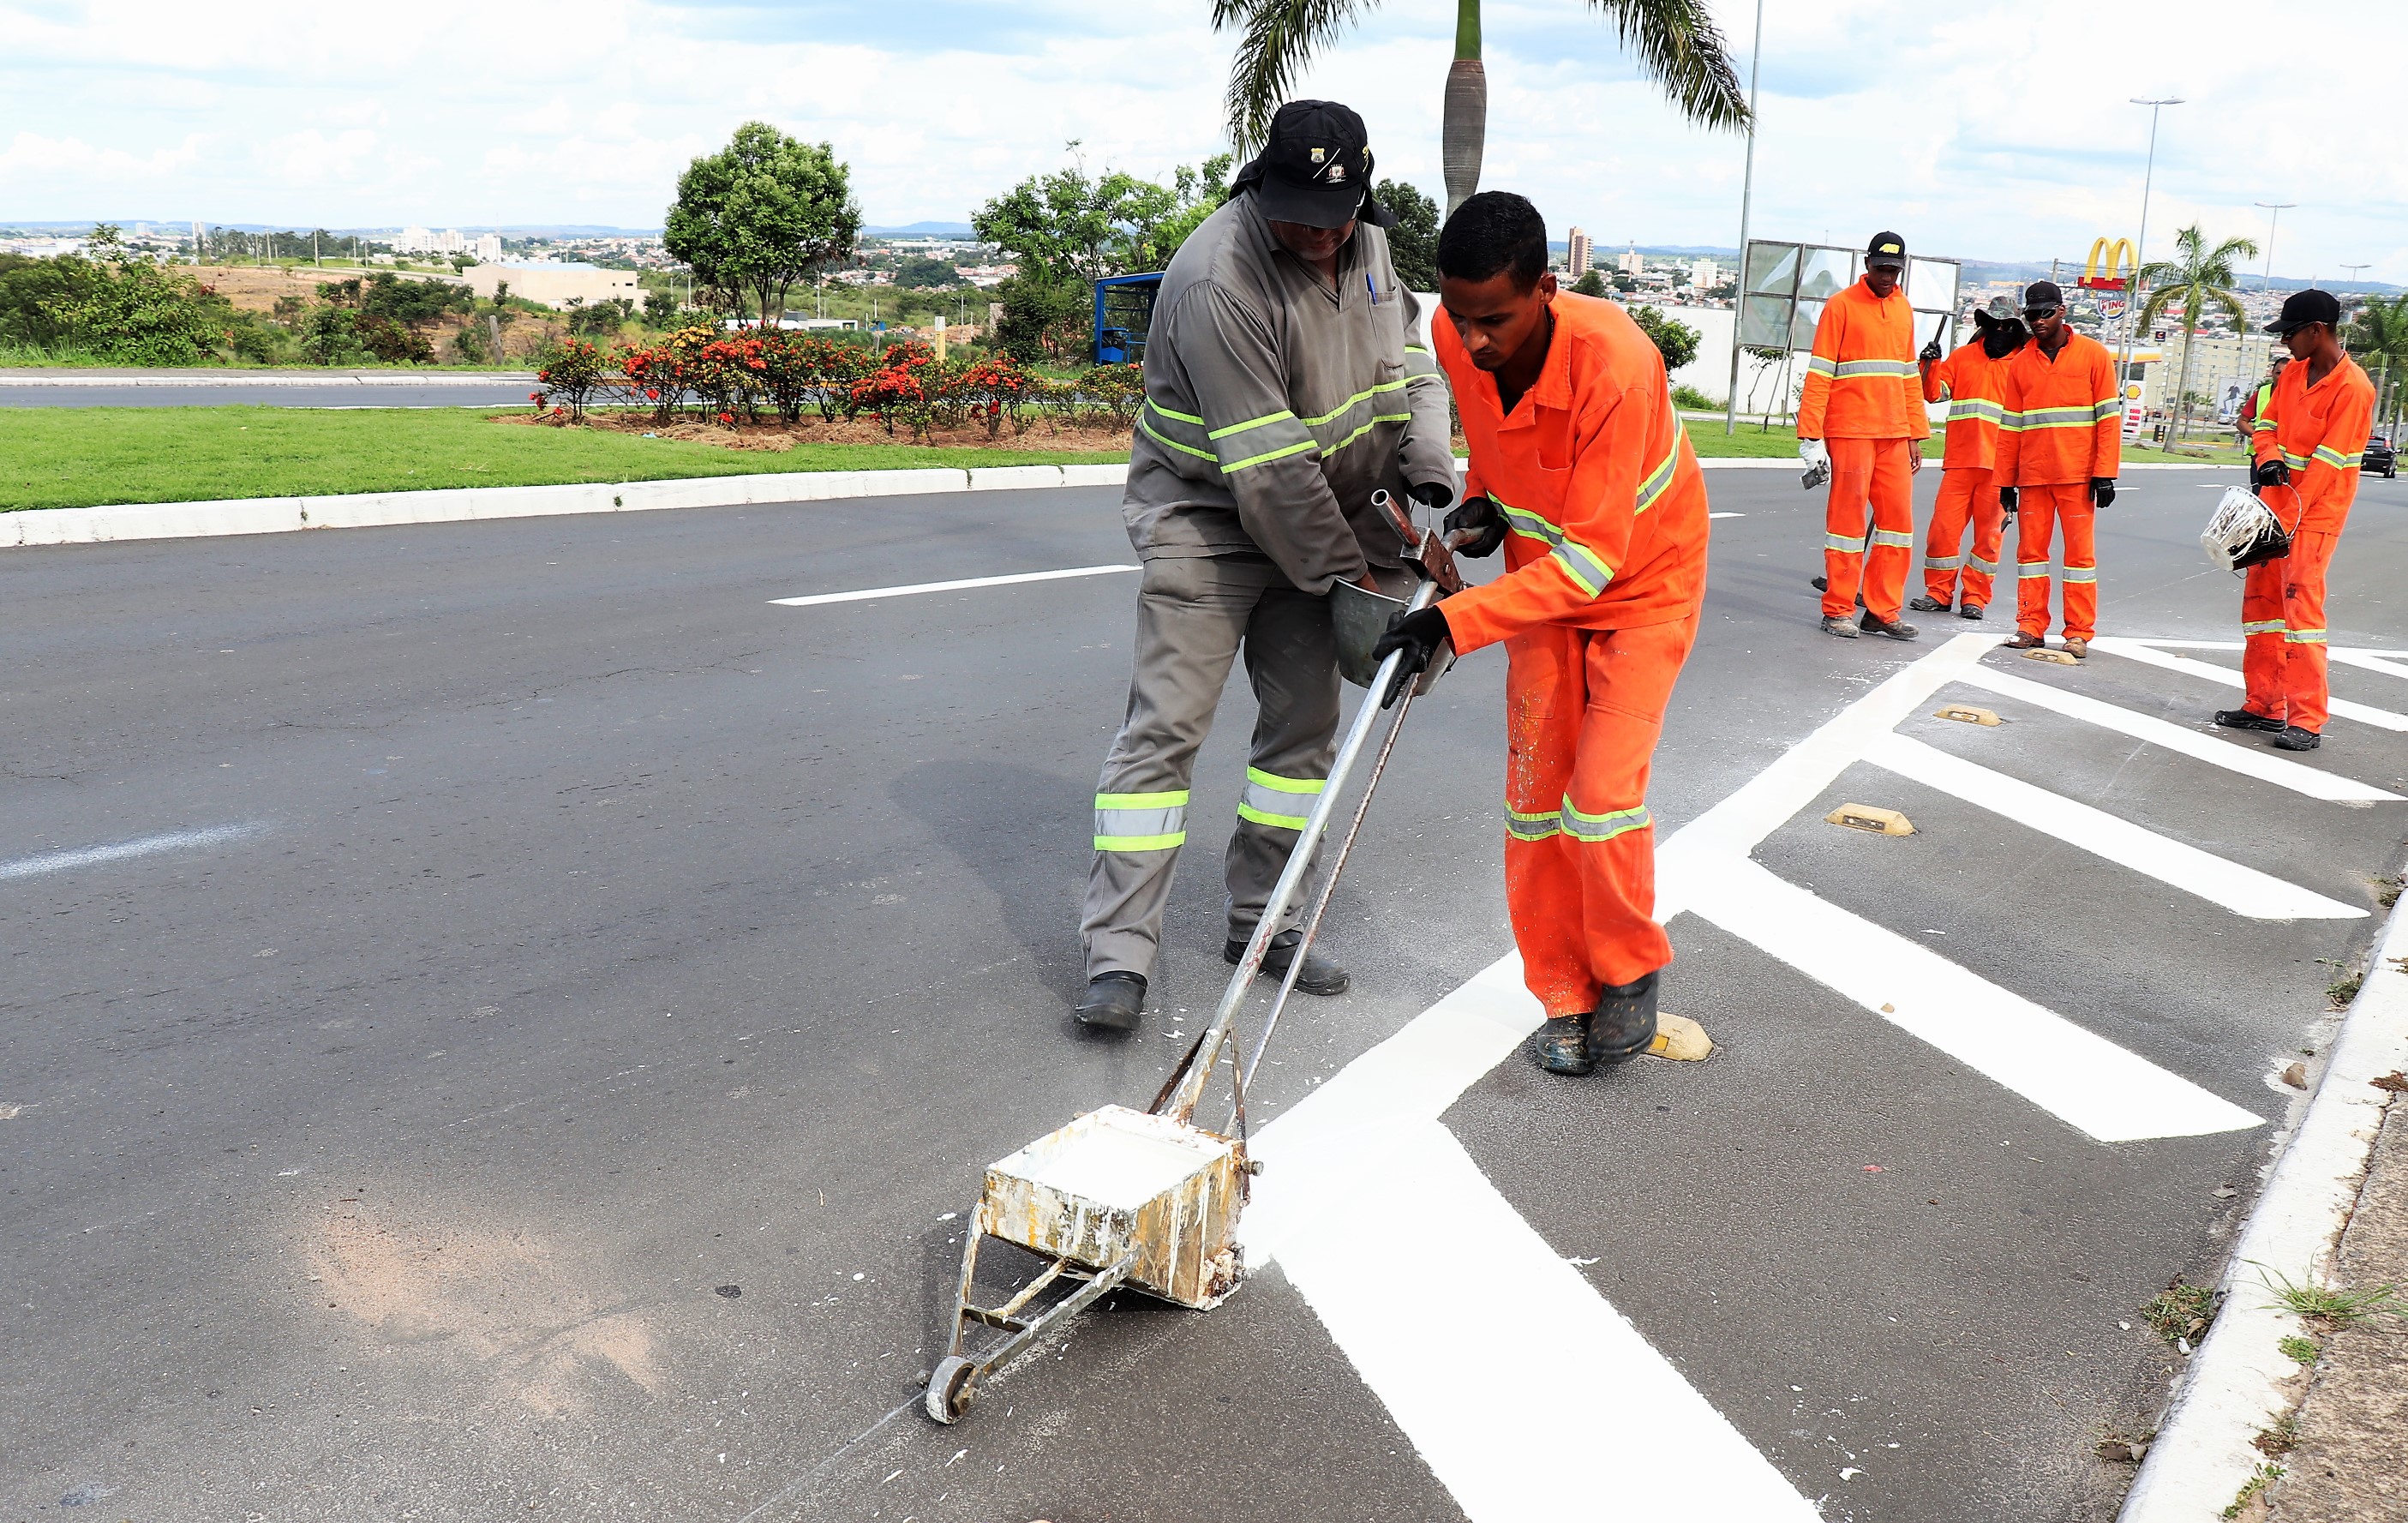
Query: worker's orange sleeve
[[2329, 478], [1830, 332], [2107, 439], [1939, 378], [1618, 441]]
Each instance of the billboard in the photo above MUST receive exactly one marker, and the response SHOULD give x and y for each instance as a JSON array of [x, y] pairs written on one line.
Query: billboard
[[1783, 288]]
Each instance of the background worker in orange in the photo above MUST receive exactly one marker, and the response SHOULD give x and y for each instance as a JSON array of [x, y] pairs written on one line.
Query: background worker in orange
[[2059, 452], [1581, 468], [2309, 435], [1972, 380], [1862, 413]]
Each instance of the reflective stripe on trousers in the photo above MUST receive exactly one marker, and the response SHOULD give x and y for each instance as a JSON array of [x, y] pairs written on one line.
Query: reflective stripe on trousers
[[1284, 803]]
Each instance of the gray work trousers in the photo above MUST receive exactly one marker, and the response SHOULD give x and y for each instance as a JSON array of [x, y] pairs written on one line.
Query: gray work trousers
[[1195, 615]]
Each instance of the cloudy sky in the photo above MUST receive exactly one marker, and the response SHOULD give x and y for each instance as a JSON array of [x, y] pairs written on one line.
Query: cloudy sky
[[1980, 129]]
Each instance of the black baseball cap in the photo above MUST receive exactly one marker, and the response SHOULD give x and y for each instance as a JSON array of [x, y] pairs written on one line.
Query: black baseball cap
[[1315, 168], [1885, 248], [2042, 296], [2301, 308]]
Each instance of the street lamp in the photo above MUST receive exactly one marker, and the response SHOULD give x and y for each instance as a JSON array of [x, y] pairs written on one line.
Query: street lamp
[[2275, 210], [2354, 268], [2140, 249], [1746, 203]]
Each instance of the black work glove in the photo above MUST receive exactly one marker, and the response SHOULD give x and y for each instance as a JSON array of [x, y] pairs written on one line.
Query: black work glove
[[1431, 495], [2102, 491], [1418, 633], [2007, 498], [1480, 514], [1930, 351], [2270, 473]]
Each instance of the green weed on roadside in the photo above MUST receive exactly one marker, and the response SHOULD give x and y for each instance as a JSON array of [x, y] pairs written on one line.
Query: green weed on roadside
[[2181, 1313]]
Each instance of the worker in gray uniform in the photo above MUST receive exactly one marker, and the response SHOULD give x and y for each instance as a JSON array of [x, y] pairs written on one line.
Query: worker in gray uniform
[[1284, 385]]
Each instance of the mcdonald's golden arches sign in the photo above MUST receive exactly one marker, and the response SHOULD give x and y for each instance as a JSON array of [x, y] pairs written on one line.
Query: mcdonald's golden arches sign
[[2117, 271]]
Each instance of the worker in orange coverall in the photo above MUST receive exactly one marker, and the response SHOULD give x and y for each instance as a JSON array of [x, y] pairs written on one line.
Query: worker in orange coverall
[[2059, 453], [1581, 471], [2321, 410], [1862, 417], [1972, 381]]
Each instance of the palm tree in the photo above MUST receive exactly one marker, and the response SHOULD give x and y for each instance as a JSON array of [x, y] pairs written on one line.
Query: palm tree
[[2379, 338], [1676, 41], [2197, 278]]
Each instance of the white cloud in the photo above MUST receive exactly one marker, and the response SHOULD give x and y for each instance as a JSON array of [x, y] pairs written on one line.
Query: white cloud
[[1992, 129]]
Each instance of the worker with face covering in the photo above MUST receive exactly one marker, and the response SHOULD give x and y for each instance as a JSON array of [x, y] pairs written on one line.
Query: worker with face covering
[[1283, 387], [2060, 449], [1972, 381], [1862, 415]]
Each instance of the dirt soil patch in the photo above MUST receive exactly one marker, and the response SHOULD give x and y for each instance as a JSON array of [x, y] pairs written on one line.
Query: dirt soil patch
[[1104, 438]]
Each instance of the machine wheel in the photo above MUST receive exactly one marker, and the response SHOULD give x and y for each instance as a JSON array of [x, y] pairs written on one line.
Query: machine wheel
[[948, 1387]]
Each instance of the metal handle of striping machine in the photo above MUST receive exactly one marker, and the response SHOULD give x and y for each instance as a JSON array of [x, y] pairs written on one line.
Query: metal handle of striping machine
[[1181, 1106]]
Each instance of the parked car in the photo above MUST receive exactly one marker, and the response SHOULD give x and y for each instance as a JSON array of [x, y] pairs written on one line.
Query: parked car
[[2380, 459]]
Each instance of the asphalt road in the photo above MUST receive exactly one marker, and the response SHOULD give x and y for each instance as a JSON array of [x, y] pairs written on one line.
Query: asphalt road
[[499, 1019], [102, 388]]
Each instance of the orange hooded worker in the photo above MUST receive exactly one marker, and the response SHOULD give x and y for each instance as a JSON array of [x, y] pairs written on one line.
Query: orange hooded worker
[[2059, 453], [1972, 381], [1862, 417], [2311, 431], [1580, 470]]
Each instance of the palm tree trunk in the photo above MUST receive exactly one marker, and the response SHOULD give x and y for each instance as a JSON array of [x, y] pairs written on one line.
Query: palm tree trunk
[[1463, 130], [2182, 386]]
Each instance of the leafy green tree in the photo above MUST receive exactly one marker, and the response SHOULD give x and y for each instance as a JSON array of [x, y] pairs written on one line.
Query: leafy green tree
[[1199, 190], [1676, 42], [2199, 277], [660, 308], [761, 214], [1590, 283], [1674, 340], [1412, 243], [413, 303], [919, 273], [2379, 338], [119, 305]]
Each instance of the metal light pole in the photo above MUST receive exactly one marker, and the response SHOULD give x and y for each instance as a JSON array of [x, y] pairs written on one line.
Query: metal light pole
[[1746, 204], [2353, 278], [2140, 249], [2275, 211]]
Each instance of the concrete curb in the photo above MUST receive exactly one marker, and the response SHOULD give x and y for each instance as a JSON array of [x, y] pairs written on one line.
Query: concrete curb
[[367, 509], [121, 381], [2232, 1390]]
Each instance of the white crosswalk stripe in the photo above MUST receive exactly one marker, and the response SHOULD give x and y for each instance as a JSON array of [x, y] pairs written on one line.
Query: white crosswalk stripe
[[2149, 652]]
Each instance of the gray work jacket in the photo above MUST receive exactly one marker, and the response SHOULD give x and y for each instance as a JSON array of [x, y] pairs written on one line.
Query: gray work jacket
[[1275, 405]]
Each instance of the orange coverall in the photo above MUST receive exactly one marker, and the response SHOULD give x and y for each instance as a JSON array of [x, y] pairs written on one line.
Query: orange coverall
[[2064, 425], [1972, 382], [1864, 399], [1605, 570], [2319, 431]]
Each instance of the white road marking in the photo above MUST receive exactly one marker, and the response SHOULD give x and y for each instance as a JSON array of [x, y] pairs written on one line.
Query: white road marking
[[86, 856], [868, 593], [1726, 516], [2074, 1074], [2243, 890], [2146, 653], [2265, 766]]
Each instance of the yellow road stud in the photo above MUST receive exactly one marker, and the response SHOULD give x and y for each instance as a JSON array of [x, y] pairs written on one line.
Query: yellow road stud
[[1886, 822], [1966, 713], [2054, 659], [1679, 1039]]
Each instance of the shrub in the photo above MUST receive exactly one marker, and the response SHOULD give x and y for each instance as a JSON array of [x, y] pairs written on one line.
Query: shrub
[[572, 373], [1693, 400], [1674, 340], [1118, 389]]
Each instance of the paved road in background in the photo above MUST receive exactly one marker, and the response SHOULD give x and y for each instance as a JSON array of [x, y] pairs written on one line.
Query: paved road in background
[[503, 1018], [258, 388]]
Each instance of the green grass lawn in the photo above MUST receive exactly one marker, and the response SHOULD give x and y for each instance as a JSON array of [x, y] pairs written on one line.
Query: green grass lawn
[[76, 457]]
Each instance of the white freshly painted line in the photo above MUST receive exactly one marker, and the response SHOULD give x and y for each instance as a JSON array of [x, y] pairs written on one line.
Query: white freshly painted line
[[1726, 516], [2149, 654], [868, 593], [2265, 766], [2240, 1378], [88, 856], [1470, 1326], [2390, 662], [2081, 1078], [2243, 890]]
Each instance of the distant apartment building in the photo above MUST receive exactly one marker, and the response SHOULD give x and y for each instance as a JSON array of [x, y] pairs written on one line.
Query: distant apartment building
[[489, 249], [418, 240], [553, 283], [1704, 274], [1577, 254], [1630, 264]]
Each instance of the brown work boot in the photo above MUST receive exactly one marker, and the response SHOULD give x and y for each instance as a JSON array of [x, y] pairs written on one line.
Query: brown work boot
[[2077, 647], [2024, 640], [1563, 1044]]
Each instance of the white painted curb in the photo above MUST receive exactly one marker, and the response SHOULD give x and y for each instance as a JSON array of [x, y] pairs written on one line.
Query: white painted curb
[[277, 378], [2203, 1453], [365, 510]]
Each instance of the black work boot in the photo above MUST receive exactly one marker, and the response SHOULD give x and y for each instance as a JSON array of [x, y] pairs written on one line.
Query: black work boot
[[1113, 1001], [1874, 624], [2295, 737], [1928, 604], [1319, 975], [1624, 1023], [1562, 1044], [1969, 610], [2247, 719]]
